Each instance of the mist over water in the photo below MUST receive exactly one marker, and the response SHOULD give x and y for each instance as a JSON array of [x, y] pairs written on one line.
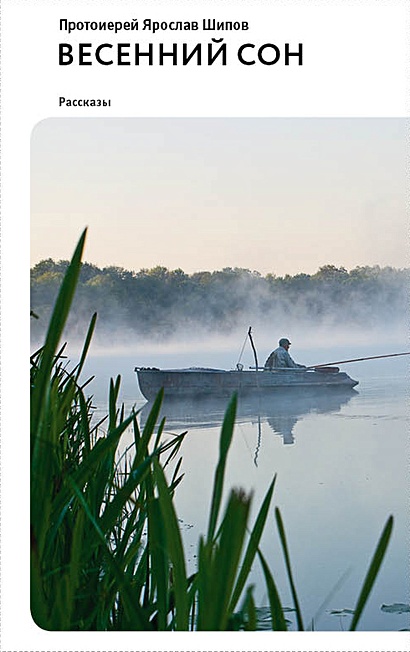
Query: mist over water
[[111, 356], [164, 311], [310, 345], [267, 328], [192, 339]]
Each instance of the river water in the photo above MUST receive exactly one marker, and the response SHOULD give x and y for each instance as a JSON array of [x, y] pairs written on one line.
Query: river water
[[342, 466]]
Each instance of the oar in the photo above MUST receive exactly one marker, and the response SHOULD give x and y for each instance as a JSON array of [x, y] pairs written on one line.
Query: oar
[[372, 357]]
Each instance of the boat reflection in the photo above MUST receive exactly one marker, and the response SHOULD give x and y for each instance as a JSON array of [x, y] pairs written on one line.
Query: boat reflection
[[281, 410]]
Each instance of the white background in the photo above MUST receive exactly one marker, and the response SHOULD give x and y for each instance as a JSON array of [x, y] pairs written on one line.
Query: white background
[[356, 58]]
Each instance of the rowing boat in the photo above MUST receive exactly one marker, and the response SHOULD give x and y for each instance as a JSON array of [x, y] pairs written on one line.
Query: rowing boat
[[196, 382], [199, 381]]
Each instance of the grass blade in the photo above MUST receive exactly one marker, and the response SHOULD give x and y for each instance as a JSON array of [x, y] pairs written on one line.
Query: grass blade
[[253, 544], [249, 608], [276, 609], [226, 558], [157, 548], [224, 444], [372, 572], [55, 330], [86, 346], [134, 614], [328, 598], [282, 537], [175, 549]]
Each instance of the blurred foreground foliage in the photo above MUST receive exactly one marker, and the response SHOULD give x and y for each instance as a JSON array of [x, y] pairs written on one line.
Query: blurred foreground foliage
[[106, 546]]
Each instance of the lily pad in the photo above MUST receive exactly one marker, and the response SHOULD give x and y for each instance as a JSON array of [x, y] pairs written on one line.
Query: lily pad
[[264, 620], [396, 608], [341, 612]]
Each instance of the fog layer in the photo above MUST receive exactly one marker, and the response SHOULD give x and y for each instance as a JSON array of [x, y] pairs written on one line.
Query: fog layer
[[164, 310]]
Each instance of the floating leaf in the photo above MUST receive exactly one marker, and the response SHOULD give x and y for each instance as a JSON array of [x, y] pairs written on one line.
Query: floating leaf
[[341, 612], [264, 619], [396, 608]]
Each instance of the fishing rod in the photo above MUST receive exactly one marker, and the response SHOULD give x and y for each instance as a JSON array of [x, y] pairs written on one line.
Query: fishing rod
[[239, 366], [253, 347], [372, 357]]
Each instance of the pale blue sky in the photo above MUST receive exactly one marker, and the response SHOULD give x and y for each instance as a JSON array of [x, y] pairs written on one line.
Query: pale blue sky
[[275, 195]]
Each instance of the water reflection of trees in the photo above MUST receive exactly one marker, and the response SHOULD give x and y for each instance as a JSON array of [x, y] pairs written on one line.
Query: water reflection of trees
[[281, 409]]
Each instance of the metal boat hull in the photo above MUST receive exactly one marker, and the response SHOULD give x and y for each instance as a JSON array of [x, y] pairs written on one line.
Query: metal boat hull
[[219, 382]]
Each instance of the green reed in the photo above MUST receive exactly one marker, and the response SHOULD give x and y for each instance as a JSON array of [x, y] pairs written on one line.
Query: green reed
[[106, 545]]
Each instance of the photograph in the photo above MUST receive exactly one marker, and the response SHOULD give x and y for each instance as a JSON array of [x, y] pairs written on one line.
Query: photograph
[[219, 337]]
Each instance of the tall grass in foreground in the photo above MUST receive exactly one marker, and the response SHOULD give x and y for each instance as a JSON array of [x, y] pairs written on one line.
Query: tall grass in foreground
[[106, 546]]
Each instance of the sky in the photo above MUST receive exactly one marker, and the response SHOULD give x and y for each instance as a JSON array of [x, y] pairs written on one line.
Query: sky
[[275, 195]]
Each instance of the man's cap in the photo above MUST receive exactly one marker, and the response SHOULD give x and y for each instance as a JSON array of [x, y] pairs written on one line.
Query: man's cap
[[284, 340]]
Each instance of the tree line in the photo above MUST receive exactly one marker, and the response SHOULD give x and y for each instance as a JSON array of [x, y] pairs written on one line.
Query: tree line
[[157, 302]]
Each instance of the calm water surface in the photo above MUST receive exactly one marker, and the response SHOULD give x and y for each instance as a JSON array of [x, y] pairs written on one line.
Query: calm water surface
[[342, 466]]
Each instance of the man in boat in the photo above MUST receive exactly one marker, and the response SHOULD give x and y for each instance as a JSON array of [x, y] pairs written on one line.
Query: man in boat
[[280, 357]]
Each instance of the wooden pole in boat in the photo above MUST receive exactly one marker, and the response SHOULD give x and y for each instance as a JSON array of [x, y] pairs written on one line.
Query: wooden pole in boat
[[372, 357], [253, 347]]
